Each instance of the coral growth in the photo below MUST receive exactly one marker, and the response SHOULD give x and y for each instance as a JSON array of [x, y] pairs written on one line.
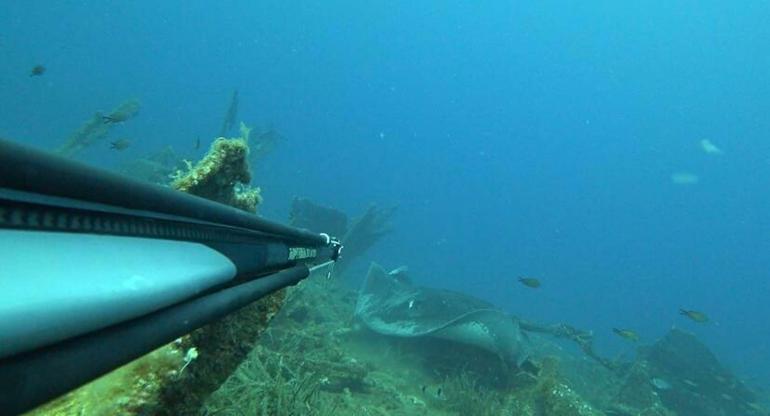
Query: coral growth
[[222, 346], [123, 391], [222, 175], [156, 168]]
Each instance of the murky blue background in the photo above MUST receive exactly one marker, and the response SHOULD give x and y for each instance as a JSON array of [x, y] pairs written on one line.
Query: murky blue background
[[517, 137]]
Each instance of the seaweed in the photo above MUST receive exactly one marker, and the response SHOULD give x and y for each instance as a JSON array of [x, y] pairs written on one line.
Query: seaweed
[[313, 360], [222, 175]]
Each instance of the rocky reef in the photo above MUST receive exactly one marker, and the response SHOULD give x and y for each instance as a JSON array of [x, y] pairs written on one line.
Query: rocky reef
[[679, 372]]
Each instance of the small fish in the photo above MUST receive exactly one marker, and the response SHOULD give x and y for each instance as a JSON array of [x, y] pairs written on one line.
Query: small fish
[[696, 316], [401, 275], [120, 144], [197, 143], [690, 383], [530, 282], [434, 393], [116, 117], [660, 383], [37, 71], [710, 148], [627, 334]]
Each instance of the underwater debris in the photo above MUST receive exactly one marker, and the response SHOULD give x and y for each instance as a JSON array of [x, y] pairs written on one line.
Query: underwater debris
[[263, 142], [222, 175], [191, 355], [312, 216], [363, 233], [697, 383], [37, 71], [637, 395], [584, 339], [232, 113], [93, 130], [357, 237]]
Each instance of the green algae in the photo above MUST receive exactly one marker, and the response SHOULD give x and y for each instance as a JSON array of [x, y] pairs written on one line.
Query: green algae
[[122, 391], [223, 174]]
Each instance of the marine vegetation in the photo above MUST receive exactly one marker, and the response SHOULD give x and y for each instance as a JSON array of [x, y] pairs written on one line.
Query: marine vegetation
[[123, 391], [156, 168], [223, 174], [95, 129], [314, 360]]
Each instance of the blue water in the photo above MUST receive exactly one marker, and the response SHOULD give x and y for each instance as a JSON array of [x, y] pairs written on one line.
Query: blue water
[[517, 138]]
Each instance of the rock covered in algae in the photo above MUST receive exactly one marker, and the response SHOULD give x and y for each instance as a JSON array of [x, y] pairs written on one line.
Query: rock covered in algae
[[550, 394], [688, 379], [222, 175], [124, 391]]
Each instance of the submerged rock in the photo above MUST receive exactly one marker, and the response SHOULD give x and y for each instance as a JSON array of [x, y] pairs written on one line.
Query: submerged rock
[[690, 380]]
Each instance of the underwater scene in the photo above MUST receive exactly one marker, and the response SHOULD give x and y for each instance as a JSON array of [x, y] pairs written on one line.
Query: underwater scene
[[546, 208]]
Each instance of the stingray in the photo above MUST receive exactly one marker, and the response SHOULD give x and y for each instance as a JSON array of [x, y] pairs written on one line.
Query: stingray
[[391, 305]]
